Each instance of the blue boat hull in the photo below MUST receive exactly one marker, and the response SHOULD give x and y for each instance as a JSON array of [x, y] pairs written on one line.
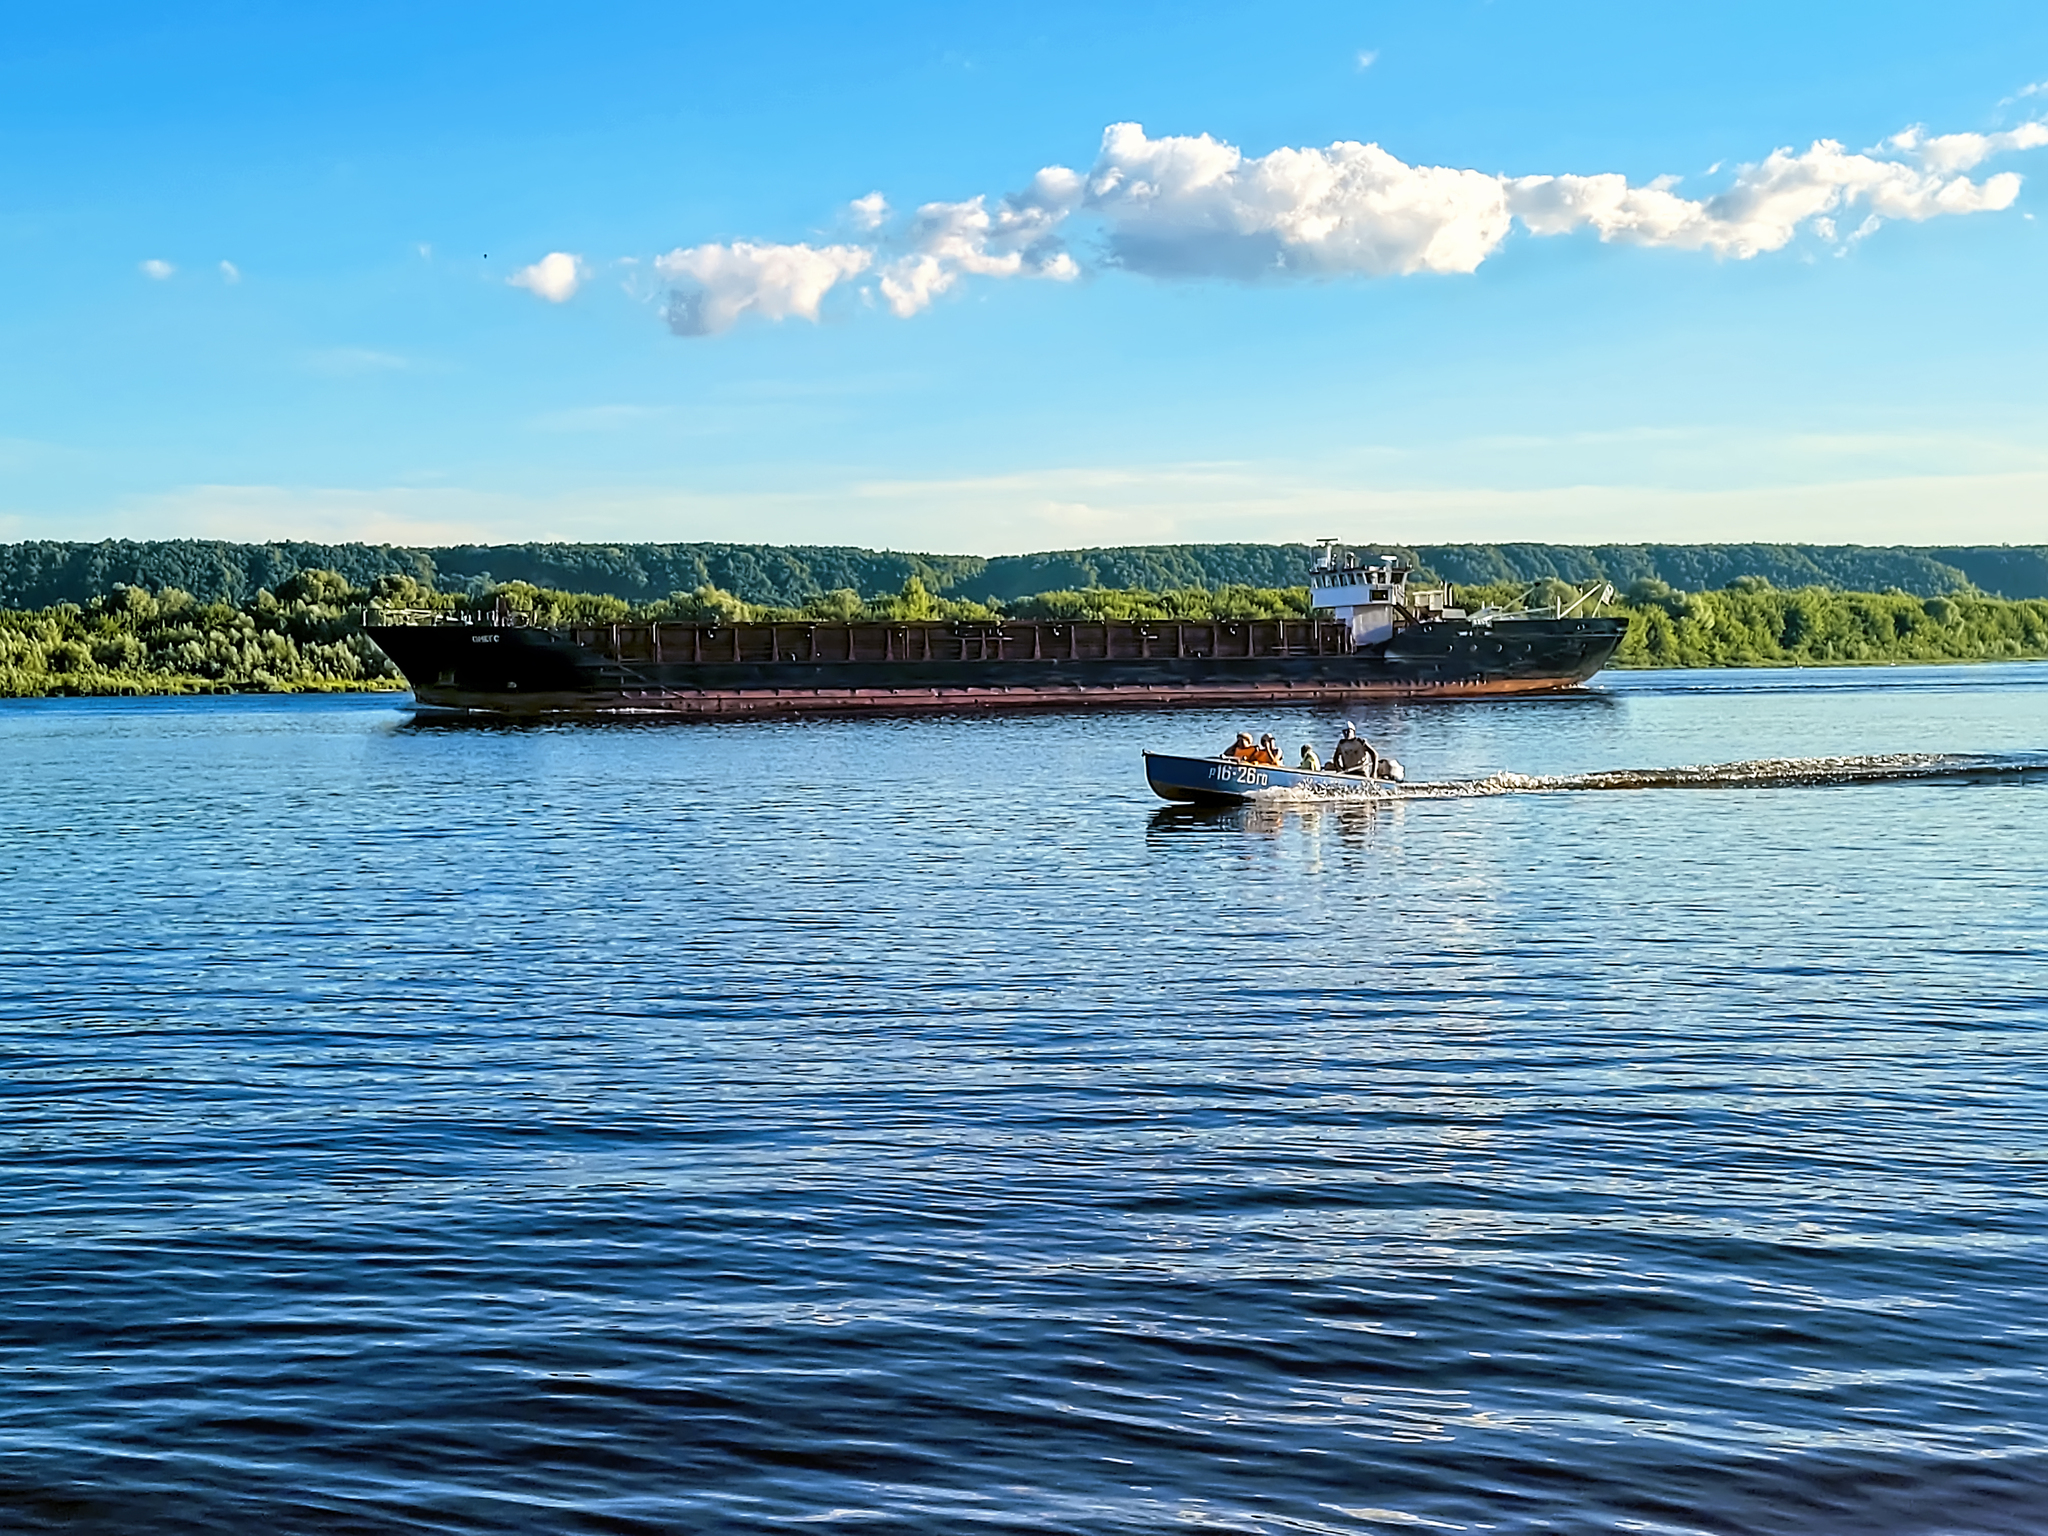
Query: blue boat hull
[[1219, 781]]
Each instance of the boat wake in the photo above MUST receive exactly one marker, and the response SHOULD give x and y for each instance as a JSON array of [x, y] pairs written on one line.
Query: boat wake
[[1761, 773]]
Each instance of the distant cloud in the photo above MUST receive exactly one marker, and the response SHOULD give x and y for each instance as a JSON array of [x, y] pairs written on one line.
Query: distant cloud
[[28, 452], [598, 418], [383, 515], [555, 277], [1192, 207], [344, 362], [1367, 57], [716, 284], [1965, 485], [948, 240], [869, 213], [160, 271], [1767, 204], [230, 273], [1951, 152]]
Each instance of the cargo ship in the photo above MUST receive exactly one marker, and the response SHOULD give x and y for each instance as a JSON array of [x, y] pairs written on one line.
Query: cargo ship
[[1371, 634]]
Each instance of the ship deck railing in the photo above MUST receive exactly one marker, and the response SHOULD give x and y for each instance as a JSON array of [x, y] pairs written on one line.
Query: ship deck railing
[[821, 641], [825, 641], [466, 618]]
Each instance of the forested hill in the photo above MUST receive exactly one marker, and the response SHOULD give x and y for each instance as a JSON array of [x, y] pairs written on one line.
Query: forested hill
[[2000, 570], [38, 574]]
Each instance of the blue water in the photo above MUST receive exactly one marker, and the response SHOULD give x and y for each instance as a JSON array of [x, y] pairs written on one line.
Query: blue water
[[906, 1126]]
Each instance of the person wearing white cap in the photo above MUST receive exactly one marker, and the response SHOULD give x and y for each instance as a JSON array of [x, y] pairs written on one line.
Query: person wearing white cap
[[1353, 753]]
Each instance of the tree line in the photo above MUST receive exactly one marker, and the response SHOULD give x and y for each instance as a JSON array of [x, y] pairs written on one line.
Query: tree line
[[40, 574], [306, 634], [1752, 624]]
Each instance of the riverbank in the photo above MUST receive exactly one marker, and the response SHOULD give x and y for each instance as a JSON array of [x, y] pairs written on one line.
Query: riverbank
[[307, 635]]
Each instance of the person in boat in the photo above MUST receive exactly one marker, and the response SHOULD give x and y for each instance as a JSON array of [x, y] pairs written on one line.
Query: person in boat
[[1242, 750], [1354, 754], [1309, 760], [1269, 752]]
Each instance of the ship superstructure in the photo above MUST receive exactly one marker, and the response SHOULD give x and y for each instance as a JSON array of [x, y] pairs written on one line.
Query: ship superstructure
[[1373, 597]]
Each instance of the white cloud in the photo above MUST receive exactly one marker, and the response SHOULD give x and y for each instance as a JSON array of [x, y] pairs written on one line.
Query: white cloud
[[1197, 207], [1367, 57], [951, 239], [1952, 152], [555, 277], [230, 273], [869, 213], [1765, 207], [157, 270], [716, 284], [1194, 207]]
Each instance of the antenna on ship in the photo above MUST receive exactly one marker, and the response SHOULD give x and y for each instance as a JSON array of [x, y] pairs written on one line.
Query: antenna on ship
[[1327, 559]]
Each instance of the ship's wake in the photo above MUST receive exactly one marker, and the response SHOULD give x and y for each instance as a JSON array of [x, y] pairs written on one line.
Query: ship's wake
[[1759, 773]]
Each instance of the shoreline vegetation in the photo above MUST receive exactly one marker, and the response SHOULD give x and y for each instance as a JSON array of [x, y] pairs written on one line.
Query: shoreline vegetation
[[42, 573], [306, 634]]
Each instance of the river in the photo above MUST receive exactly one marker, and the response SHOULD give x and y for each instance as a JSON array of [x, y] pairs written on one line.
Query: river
[[908, 1126]]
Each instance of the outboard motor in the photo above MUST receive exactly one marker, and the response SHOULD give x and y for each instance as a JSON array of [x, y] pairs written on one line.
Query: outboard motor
[[1389, 769]]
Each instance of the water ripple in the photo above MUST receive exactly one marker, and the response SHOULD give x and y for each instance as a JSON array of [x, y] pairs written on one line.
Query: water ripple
[[900, 1126]]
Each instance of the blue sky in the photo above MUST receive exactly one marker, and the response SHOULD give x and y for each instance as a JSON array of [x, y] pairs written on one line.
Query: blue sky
[[1333, 342]]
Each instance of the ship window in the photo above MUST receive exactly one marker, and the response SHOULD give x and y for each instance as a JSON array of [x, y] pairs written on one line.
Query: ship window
[[1379, 594]]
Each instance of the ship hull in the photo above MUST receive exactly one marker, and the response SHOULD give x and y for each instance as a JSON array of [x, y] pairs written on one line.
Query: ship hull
[[708, 672]]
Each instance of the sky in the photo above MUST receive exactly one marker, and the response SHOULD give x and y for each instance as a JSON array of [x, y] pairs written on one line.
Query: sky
[[987, 279]]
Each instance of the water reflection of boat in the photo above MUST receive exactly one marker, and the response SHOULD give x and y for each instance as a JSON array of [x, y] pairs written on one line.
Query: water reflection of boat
[[1226, 781]]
